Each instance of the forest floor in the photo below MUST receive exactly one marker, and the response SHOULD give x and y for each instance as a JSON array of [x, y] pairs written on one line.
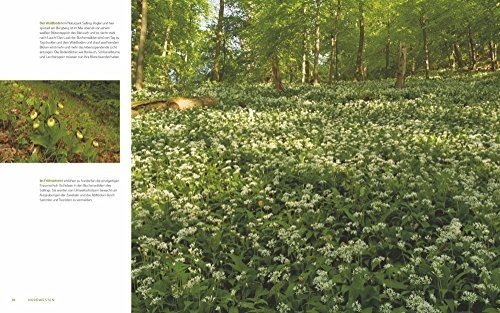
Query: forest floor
[[355, 197], [16, 128]]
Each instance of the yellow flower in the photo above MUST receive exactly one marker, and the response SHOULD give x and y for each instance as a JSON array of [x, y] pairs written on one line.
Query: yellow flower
[[79, 135], [51, 122]]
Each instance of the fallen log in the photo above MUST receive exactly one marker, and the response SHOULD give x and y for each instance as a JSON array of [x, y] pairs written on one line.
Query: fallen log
[[176, 103]]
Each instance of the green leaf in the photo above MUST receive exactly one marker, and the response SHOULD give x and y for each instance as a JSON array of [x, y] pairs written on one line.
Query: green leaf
[[395, 284], [495, 277], [247, 305], [349, 214], [276, 288], [40, 140], [238, 263]]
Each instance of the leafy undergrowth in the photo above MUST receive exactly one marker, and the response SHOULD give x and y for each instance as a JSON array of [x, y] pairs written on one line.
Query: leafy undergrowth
[[354, 198], [41, 123]]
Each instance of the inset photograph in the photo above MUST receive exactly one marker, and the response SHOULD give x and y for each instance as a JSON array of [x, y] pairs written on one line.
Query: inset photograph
[[60, 121]]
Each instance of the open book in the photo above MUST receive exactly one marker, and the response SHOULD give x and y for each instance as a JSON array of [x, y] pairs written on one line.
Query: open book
[[249, 156]]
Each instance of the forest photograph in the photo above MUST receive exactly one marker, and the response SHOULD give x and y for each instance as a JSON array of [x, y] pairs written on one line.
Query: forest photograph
[[315, 156], [60, 121]]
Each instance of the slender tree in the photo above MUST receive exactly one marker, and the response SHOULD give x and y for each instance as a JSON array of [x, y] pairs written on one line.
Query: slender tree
[[360, 71], [135, 40], [493, 55], [401, 74], [317, 37], [305, 47], [334, 46], [218, 43], [472, 49], [278, 85], [423, 27], [457, 53], [387, 49], [168, 31], [139, 72]]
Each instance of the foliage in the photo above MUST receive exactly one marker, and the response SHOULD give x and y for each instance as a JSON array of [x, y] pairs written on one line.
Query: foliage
[[181, 64], [181, 38], [90, 90], [352, 198]]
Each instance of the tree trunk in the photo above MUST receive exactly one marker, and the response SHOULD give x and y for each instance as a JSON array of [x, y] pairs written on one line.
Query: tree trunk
[[331, 71], [305, 61], [224, 58], [135, 42], [451, 59], [278, 85], [472, 52], [493, 55], [316, 44], [388, 50], [139, 72], [168, 31], [458, 55], [423, 26], [290, 66], [166, 43], [334, 53], [305, 49], [218, 43], [401, 74], [360, 75]]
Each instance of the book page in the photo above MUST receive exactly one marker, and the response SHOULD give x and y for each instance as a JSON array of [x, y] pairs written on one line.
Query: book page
[[65, 156]]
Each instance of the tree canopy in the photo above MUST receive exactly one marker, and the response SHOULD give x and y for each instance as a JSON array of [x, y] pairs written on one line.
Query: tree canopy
[[186, 42]]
